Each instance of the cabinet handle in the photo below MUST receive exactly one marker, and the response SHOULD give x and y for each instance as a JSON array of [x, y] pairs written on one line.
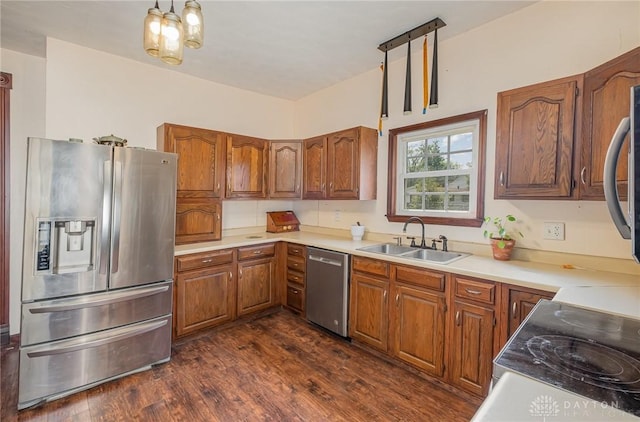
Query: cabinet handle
[[204, 261], [240, 273], [582, 173], [218, 215], [295, 250], [295, 264], [514, 309], [258, 252], [473, 292], [330, 185], [384, 295], [458, 318], [501, 178], [397, 298], [323, 186], [218, 186], [229, 186]]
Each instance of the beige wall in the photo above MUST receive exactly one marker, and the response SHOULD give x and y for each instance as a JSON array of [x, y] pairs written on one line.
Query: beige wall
[[544, 41]]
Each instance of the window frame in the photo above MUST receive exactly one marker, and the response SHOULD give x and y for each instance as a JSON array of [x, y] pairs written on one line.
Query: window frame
[[392, 182]]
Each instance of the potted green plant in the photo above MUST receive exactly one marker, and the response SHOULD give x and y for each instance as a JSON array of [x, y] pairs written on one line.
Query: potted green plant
[[502, 241]]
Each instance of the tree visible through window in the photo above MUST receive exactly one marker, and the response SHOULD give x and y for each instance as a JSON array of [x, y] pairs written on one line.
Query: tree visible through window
[[437, 170]]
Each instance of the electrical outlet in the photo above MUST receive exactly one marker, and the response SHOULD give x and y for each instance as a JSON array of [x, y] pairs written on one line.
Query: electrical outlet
[[553, 231]]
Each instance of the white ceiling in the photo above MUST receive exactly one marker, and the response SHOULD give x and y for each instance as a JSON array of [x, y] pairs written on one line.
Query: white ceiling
[[287, 49]]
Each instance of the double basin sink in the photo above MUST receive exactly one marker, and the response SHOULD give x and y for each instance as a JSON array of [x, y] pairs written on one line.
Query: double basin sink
[[440, 257]]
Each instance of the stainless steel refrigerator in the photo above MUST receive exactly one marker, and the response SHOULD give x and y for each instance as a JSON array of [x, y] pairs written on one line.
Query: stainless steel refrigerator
[[97, 265]]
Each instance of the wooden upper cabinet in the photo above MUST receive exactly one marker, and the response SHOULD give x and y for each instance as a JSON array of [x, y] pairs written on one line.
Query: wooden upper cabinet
[[201, 160], [341, 165], [535, 138], [315, 167], [247, 166], [198, 220], [285, 169], [606, 101]]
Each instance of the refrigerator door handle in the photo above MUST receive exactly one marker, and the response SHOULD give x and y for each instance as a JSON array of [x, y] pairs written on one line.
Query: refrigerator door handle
[[117, 211], [609, 179], [106, 216], [121, 334], [85, 302]]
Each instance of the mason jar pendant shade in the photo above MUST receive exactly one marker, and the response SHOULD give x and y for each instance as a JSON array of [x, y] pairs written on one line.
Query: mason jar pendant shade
[[192, 23], [152, 23], [171, 44]]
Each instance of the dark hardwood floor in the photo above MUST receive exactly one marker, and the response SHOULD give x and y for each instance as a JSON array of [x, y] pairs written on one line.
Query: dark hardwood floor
[[273, 368]]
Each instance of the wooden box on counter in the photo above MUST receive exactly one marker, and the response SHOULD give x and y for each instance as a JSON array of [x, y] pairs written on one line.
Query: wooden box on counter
[[282, 221]]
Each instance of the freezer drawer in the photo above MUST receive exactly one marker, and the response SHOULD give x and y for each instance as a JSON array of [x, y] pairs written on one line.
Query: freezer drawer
[[56, 369], [68, 317]]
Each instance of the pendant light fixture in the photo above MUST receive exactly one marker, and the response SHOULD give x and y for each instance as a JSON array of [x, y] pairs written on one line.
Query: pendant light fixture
[[192, 24], [166, 34]]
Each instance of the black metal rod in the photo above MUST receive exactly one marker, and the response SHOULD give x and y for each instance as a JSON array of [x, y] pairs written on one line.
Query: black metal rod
[[407, 82], [433, 99], [413, 34], [384, 108]]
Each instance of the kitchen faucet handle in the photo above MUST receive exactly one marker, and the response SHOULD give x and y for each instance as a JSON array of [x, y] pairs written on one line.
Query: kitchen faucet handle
[[444, 239], [398, 240], [413, 241]]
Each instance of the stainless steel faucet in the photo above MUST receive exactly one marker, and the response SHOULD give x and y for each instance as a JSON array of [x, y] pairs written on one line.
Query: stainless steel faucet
[[423, 244]]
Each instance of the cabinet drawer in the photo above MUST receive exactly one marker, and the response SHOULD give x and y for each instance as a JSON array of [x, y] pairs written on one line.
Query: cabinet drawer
[[296, 263], [296, 250], [371, 266], [295, 277], [476, 290], [421, 277], [258, 251], [295, 297], [202, 260]]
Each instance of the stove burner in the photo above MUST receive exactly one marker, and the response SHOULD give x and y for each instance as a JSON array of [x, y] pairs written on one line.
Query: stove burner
[[591, 321], [587, 361]]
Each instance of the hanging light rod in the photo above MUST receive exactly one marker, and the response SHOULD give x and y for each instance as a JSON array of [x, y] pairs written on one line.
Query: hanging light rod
[[413, 34]]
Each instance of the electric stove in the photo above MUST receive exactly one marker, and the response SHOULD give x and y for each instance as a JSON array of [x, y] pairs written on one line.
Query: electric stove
[[590, 353]]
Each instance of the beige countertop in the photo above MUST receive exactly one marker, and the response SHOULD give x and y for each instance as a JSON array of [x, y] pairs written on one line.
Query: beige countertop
[[542, 276]]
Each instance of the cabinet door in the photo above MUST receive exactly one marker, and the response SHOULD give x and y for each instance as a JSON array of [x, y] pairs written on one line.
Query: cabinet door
[[204, 298], [606, 101], [256, 285], [368, 319], [471, 347], [534, 144], [314, 166], [343, 169], [418, 325], [520, 304], [198, 220], [285, 162], [246, 167], [201, 160]]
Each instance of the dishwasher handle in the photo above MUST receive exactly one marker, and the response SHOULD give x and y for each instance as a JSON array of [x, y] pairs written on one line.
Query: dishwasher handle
[[325, 260]]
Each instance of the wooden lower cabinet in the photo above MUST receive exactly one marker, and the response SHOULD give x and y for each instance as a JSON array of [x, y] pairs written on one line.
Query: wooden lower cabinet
[[418, 325], [519, 302], [204, 295], [472, 335], [256, 285], [369, 311], [296, 263]]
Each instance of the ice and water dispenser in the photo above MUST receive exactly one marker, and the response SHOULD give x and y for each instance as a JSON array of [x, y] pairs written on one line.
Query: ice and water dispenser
[[65, 246]]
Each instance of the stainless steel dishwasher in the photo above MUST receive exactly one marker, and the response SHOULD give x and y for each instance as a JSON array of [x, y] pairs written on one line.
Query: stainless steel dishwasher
[[328, 289]]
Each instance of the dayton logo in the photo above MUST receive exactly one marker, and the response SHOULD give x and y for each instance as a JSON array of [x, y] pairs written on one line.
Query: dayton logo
[[544, 406]]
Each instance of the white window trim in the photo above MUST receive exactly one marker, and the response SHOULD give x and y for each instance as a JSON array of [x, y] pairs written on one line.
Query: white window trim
[[472, 126]]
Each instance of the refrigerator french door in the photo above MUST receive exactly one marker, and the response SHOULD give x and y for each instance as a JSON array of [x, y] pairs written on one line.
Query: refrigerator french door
[[97, 265]]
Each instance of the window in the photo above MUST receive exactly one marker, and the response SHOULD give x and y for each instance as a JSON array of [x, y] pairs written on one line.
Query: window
[[436, 171]]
